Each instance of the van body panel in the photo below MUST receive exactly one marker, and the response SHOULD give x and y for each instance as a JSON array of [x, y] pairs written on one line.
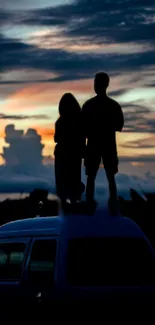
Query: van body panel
[[59, 232]]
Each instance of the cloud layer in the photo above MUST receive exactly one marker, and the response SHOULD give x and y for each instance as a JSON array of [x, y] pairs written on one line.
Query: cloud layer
[[86, 22], [44, 52], [25, 170]]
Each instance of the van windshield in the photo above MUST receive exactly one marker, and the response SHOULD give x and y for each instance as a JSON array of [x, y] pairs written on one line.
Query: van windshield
[[110, 262]]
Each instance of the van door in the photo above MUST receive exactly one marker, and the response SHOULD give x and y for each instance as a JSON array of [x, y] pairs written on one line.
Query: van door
[[112, 269], [41, 272], [13, 253]]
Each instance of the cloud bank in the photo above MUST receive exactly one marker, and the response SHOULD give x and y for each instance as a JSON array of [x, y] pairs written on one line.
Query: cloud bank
[[24, 149], [24, 170]]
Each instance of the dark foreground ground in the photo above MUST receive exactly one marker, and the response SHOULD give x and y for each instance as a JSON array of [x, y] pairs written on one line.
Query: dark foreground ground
[[140, 210]]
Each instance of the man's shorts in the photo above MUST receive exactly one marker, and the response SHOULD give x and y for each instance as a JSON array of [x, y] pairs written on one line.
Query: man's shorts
[[93, 161]]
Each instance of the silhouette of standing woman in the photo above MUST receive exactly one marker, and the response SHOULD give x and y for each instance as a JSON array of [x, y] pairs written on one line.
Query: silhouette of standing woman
[[69, 149]]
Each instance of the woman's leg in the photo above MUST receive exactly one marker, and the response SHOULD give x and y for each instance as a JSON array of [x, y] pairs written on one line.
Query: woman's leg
[[59, 178], [75, 179]]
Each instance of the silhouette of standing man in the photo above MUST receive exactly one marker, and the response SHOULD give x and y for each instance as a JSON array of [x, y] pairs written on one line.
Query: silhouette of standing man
[[102, 118]]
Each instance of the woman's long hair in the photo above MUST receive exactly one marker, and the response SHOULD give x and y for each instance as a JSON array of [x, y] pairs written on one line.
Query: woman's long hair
[[68, 106]]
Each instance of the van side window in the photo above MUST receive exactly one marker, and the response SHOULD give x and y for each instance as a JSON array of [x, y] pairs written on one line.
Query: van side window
[[11, 261], [41, 267]]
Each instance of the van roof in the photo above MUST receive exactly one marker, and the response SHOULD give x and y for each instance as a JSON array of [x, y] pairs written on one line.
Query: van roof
[[98, 225], [31, 226]]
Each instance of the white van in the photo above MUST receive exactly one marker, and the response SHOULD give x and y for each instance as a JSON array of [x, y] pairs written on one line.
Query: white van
[[72, 260]]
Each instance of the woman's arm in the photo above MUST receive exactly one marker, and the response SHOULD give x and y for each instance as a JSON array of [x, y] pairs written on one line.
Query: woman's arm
[[83, 132]]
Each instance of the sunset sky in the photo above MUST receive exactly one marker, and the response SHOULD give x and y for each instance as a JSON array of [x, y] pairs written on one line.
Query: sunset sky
[[49, 47]]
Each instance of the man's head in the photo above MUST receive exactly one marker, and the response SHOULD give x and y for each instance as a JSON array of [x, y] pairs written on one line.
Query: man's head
[[101, 83]]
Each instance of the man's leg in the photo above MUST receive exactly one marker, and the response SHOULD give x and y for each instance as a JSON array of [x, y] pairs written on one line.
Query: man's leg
[[112, 185], [112, 192], [92, 167], [90, 188]]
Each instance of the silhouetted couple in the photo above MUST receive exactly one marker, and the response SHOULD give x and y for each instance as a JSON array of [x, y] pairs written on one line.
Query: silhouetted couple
[[90, 134]]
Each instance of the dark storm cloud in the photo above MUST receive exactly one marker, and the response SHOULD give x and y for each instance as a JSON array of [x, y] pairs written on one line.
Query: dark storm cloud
[[116, 27], [23, 117], [137, 122], [151, 85], [139, 127], [137, 108], [142, 158], [5, 17], [118, 21], [39, 17], [118, 93], [99, 20], [94, 21], [16, 54], [138, 119], [13, 53]]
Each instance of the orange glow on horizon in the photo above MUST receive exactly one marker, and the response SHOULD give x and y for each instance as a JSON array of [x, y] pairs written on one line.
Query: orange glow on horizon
[[33, 96], [46, 133], [139, 164]]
